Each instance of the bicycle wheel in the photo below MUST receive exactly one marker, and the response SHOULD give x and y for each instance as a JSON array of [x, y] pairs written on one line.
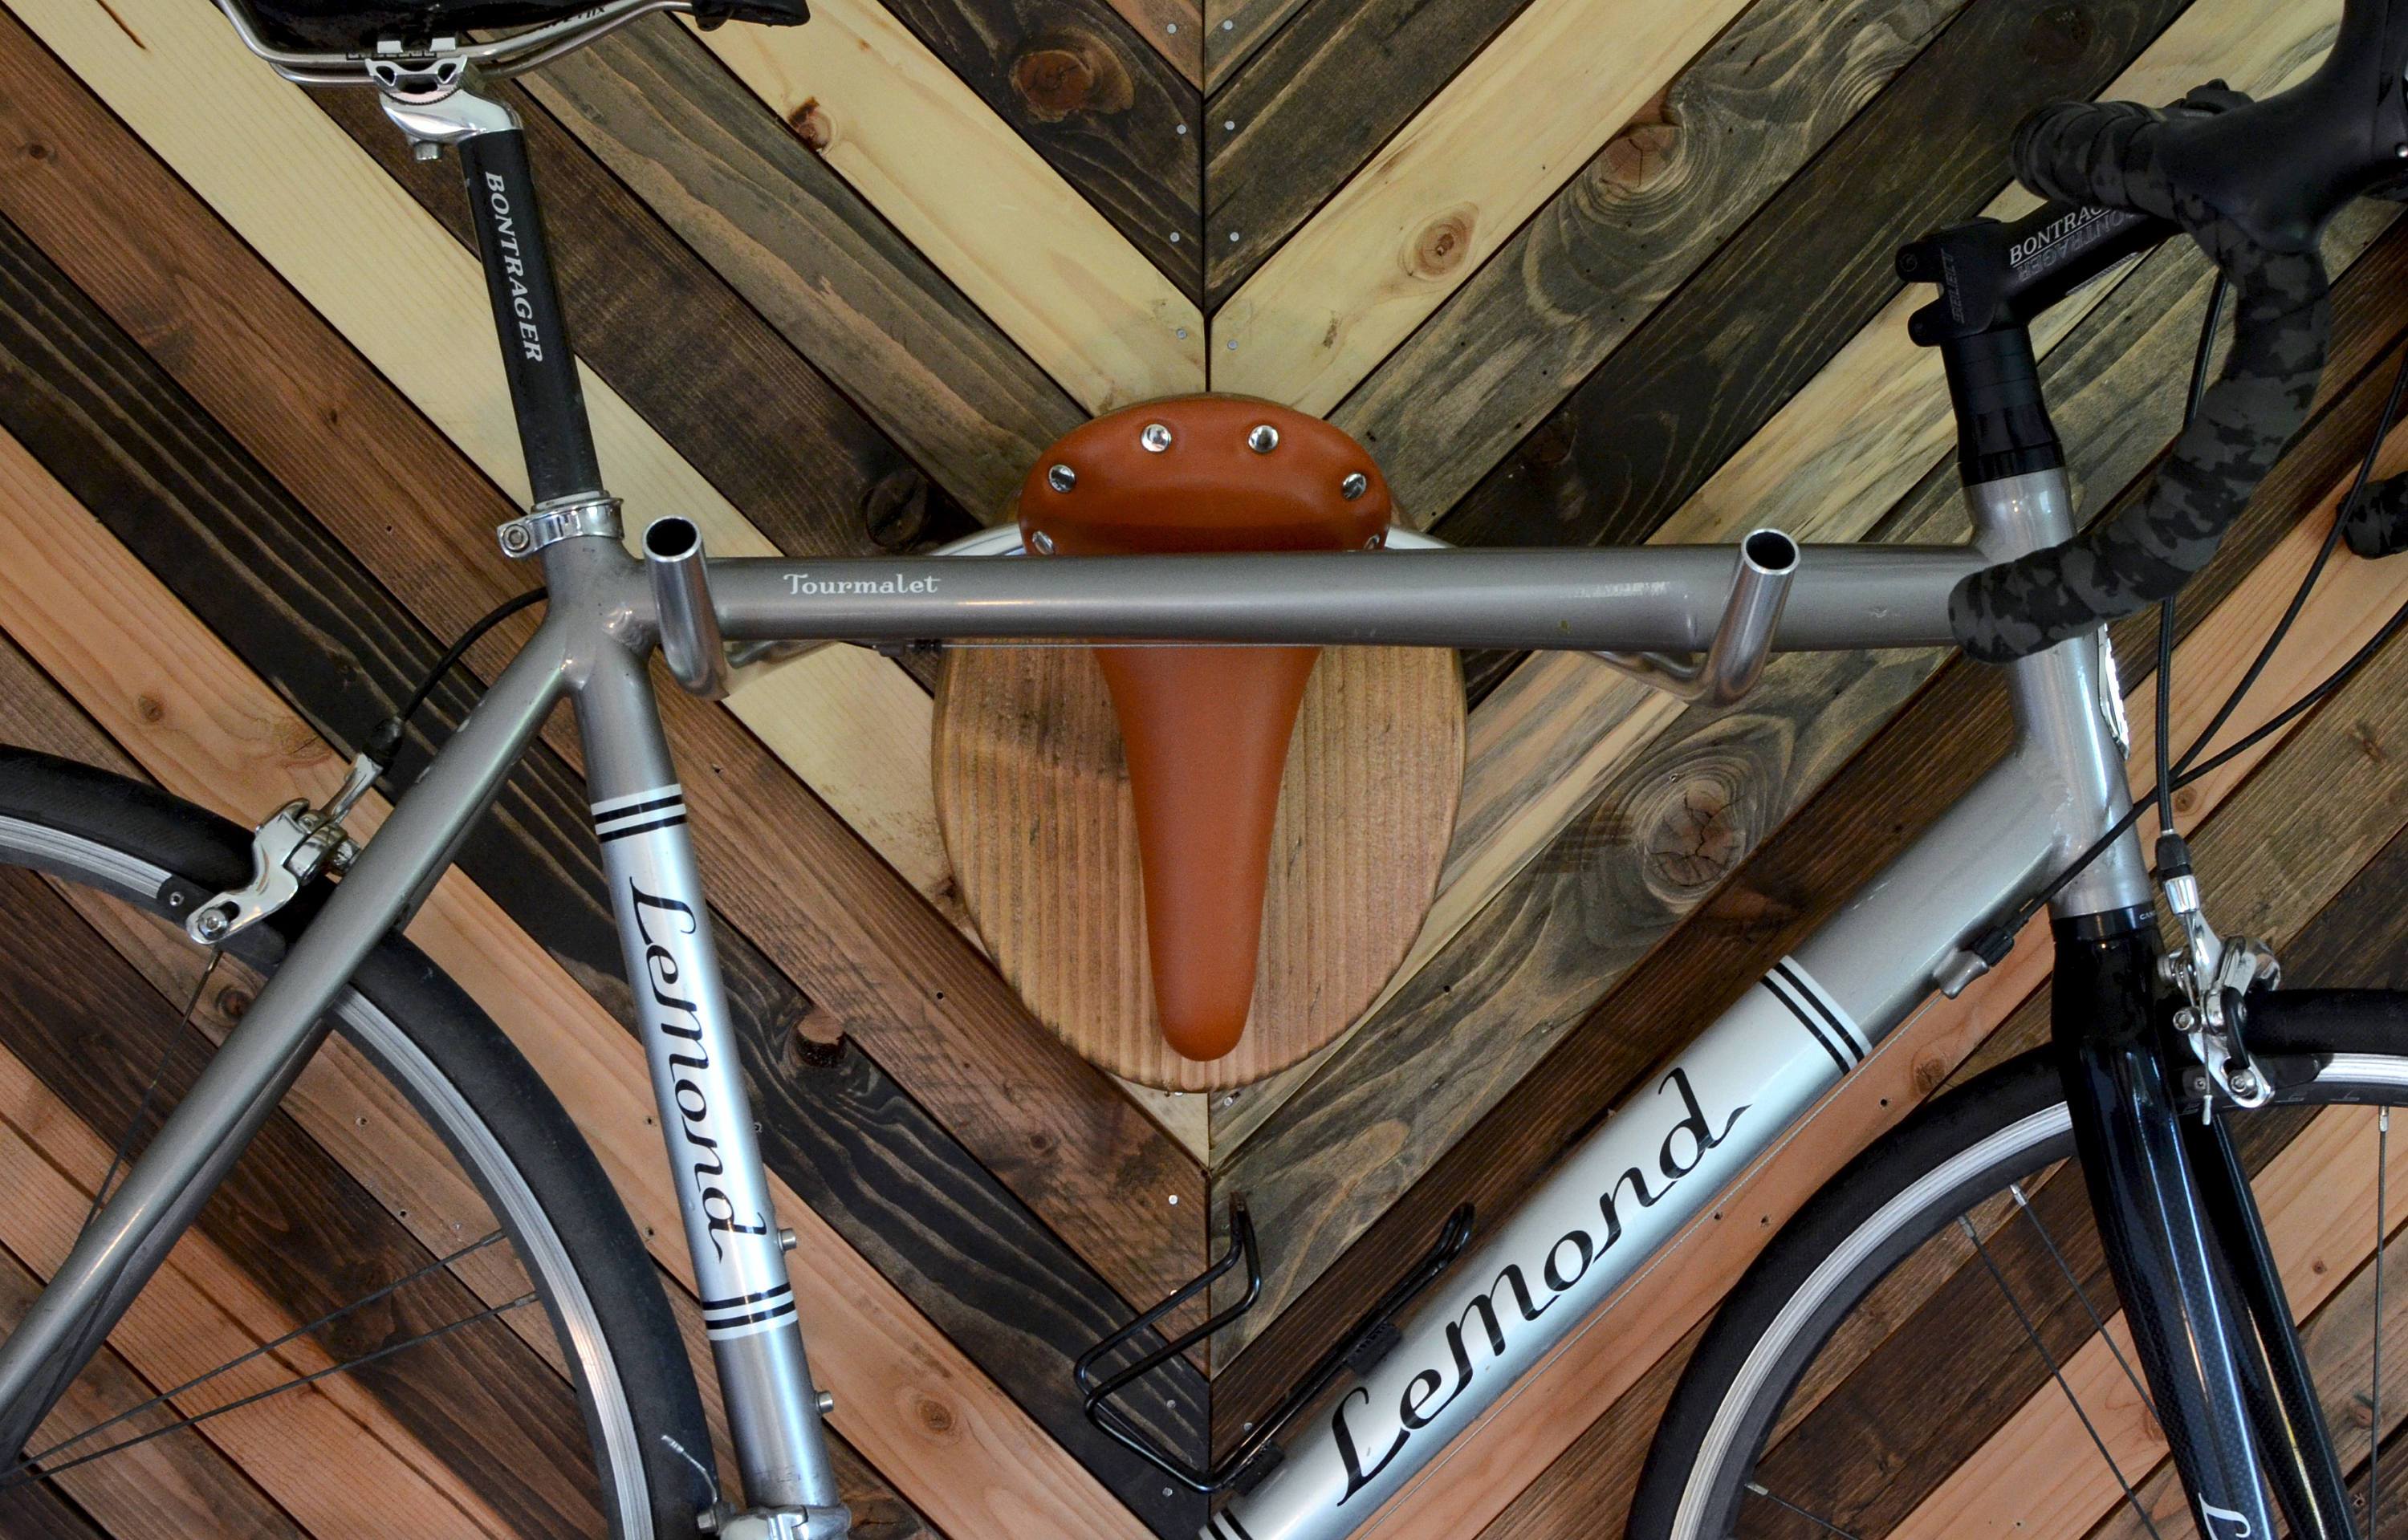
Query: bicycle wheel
[[419, 1261], [1933, 1346]]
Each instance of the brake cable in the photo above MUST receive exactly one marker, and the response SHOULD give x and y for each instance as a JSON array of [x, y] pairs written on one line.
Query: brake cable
[[1992, 944]]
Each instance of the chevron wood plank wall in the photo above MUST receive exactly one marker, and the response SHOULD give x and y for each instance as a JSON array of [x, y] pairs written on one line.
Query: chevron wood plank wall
[[1575, 270]]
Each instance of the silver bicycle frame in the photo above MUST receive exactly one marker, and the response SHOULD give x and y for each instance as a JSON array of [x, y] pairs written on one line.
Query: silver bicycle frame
[[1646, 1173]]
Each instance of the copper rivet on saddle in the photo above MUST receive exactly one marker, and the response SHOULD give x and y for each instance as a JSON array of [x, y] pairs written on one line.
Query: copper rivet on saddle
[[1155, 437], [1354, 486], [1264, 439], [1061, 479]]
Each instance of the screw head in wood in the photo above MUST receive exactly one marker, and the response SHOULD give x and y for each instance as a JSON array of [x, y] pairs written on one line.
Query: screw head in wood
[[1041, 542], [1061, 477], [1264, 439], [1157, 436], [1354, 486]]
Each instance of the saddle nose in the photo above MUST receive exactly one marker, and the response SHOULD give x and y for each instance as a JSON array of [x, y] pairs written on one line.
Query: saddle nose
[[1205, 729]]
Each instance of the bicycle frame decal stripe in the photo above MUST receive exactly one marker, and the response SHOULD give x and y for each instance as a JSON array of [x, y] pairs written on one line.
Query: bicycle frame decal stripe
[[709, 1305], [1224, 1526], [671, 823], [1806, 1018], [758, 1321], [637, 802], [1820, 998]]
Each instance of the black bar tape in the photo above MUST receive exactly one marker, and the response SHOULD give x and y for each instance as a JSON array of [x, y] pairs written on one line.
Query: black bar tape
[[2377, 523], [2108, 153]]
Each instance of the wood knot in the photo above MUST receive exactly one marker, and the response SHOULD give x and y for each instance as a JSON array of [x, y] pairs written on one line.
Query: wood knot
[[1693, 835], [1636, 159], [149, 709], [1071, 71], [894, 510], [1444, 243], [36, 151], [1930, 1074], [233, 1003], [934, 1415], [2059, 35], [1550, 443], [813, 125]]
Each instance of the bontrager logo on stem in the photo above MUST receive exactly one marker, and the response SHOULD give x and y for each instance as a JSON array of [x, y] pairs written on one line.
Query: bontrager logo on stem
[[803, 582]]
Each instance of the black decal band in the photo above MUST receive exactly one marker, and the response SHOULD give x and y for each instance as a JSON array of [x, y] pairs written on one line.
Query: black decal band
[[1813, 995], [1813, 1028], [747, 1299], [720, 1328], [671, 823], [615, 814]]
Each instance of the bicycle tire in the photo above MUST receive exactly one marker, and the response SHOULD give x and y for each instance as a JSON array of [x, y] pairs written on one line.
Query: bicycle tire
[[509, 1133], [1897, 1195]]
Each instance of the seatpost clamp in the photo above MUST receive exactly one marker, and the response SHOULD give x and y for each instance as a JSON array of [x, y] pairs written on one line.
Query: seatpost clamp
[[562, 518]]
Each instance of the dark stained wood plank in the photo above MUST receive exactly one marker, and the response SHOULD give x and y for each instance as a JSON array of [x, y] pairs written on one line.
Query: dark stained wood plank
[[1864, 815], [1773, 304], [479, 1398], [1234, 29], [1307, 111], [35, 712], [260, 572], [882, 965], [1101, 107], [813, 258], [638, 299], [34, 1512], [1625, 233]]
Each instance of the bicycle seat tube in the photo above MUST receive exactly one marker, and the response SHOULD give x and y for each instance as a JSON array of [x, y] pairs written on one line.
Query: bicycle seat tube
[[599, 607]]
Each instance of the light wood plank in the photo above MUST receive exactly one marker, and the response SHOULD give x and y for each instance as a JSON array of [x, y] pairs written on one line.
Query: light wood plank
[[1503, 1455], [1455, 183], [849, 722], [976, 200], [211, 730]]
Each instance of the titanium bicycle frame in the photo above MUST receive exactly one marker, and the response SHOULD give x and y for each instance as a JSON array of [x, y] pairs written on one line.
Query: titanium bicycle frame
[[1649, 1172]]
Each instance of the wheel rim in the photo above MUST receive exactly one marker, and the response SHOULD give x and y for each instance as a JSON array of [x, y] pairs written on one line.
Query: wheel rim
[[1725, 1458]]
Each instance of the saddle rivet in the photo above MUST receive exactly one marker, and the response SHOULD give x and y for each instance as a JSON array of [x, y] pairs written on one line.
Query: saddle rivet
[[1155, 437], [1061, 479], [1041, 542], [1264, 439], [1354, 486]]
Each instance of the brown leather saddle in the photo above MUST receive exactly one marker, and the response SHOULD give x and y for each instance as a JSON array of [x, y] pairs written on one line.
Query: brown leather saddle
[[1205, 729]]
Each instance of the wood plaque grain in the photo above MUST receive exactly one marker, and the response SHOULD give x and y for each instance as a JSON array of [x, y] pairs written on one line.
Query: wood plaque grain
[[1033, 796]]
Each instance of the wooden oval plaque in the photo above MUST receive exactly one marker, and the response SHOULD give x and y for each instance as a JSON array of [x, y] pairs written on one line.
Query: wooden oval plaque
[[1034, 800]]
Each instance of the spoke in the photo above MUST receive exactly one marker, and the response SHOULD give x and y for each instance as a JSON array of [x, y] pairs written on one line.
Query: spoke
[[2071, 1282], [19, 1474], [2382, 1197], [25, 1472], [1774, 1497], [150, 1093], [2057, 1372]]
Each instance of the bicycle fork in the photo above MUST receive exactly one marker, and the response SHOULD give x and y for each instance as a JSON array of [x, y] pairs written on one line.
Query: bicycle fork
[[2179, 1230]]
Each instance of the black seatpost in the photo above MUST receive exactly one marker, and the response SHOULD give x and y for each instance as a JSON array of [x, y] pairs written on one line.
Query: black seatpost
[[553, 431]]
